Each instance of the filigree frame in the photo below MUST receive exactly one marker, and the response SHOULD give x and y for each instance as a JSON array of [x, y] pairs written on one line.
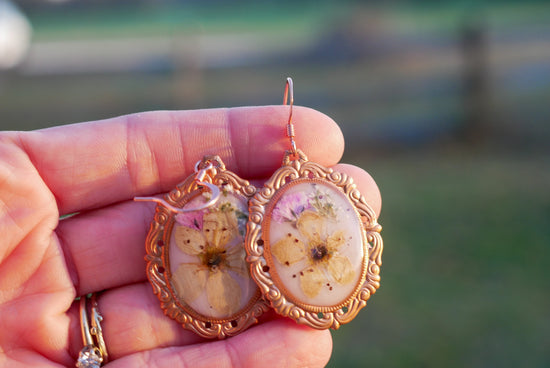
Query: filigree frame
[[319, 317], [158, 264]]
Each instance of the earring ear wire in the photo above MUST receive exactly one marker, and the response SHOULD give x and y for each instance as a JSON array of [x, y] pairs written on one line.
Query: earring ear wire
[[199, 177], [289, 91]]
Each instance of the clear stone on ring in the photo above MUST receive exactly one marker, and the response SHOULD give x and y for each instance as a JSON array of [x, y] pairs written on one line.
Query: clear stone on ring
[[89, 357]]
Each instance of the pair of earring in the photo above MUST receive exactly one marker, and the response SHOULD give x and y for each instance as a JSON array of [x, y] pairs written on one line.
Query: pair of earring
[[221, 252]]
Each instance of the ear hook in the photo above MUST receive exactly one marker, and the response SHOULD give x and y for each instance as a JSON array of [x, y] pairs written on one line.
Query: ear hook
[[199, 180], [289, 91]]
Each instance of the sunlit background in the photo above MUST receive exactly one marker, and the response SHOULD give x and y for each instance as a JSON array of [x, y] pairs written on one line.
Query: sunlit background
[[445, 103]]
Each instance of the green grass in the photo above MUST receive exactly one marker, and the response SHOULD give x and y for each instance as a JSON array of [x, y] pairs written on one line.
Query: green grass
[[465, 272]]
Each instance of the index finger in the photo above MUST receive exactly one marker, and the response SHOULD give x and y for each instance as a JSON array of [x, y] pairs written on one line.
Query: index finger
[[94, 164]]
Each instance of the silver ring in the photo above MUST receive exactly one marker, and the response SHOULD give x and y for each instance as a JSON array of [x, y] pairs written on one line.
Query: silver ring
[[94, 352]]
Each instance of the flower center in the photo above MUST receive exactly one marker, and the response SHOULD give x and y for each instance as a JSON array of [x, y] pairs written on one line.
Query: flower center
[[213, 257], [319, 252]]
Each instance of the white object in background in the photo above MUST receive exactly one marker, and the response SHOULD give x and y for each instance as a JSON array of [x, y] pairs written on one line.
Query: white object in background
[[15, 35]]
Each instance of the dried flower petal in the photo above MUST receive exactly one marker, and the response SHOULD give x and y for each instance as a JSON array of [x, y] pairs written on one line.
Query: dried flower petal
[[219, 228], [190, 241], [288, 250], [236, 260], [311, 281], [335, 241], [192, 219], [340, 269], [189, 280], [223, 292], [312, 225], [290, 207]]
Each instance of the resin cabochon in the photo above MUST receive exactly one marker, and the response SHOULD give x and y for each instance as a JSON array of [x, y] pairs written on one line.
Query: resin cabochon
[[333, 213], [175, 257]]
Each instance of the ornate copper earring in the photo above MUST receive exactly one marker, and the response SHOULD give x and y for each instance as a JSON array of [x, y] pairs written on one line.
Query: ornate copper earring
[[195, 253], [313, 242]]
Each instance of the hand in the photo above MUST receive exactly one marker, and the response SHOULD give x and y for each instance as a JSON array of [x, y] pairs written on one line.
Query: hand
[[95, 169]]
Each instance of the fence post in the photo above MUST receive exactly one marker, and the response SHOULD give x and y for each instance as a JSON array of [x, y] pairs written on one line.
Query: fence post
[[475, 121]]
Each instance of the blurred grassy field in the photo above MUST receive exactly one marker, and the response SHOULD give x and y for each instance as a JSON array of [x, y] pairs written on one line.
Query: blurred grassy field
[[465, 273], [465, 270]]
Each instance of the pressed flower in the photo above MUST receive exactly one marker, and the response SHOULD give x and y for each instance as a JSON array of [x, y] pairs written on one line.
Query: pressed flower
[[321, 201], [190, 219], [242, 217], [319, 249], [290, 207], [217, 257]]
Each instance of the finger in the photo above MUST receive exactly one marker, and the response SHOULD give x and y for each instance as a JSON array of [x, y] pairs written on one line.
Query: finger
[[105, 248], [156, 341], [365, 183], [133, 322], [94, 164], [280, 343]]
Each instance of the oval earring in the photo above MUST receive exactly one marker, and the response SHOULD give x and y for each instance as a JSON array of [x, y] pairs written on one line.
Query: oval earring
[[195, 253], [313, 242]]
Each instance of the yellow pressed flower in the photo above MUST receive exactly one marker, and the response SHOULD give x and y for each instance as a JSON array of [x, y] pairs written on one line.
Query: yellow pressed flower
[[321, 251], [217, 254]]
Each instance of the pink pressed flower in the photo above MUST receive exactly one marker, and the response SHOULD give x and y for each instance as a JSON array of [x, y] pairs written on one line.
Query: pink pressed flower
[[290, 206], [191, 220]]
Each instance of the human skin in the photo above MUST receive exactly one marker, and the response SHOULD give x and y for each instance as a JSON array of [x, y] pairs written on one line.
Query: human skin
[[95, 169]]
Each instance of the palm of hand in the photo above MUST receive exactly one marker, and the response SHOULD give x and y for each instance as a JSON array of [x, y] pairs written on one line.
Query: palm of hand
[[36, 287]]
